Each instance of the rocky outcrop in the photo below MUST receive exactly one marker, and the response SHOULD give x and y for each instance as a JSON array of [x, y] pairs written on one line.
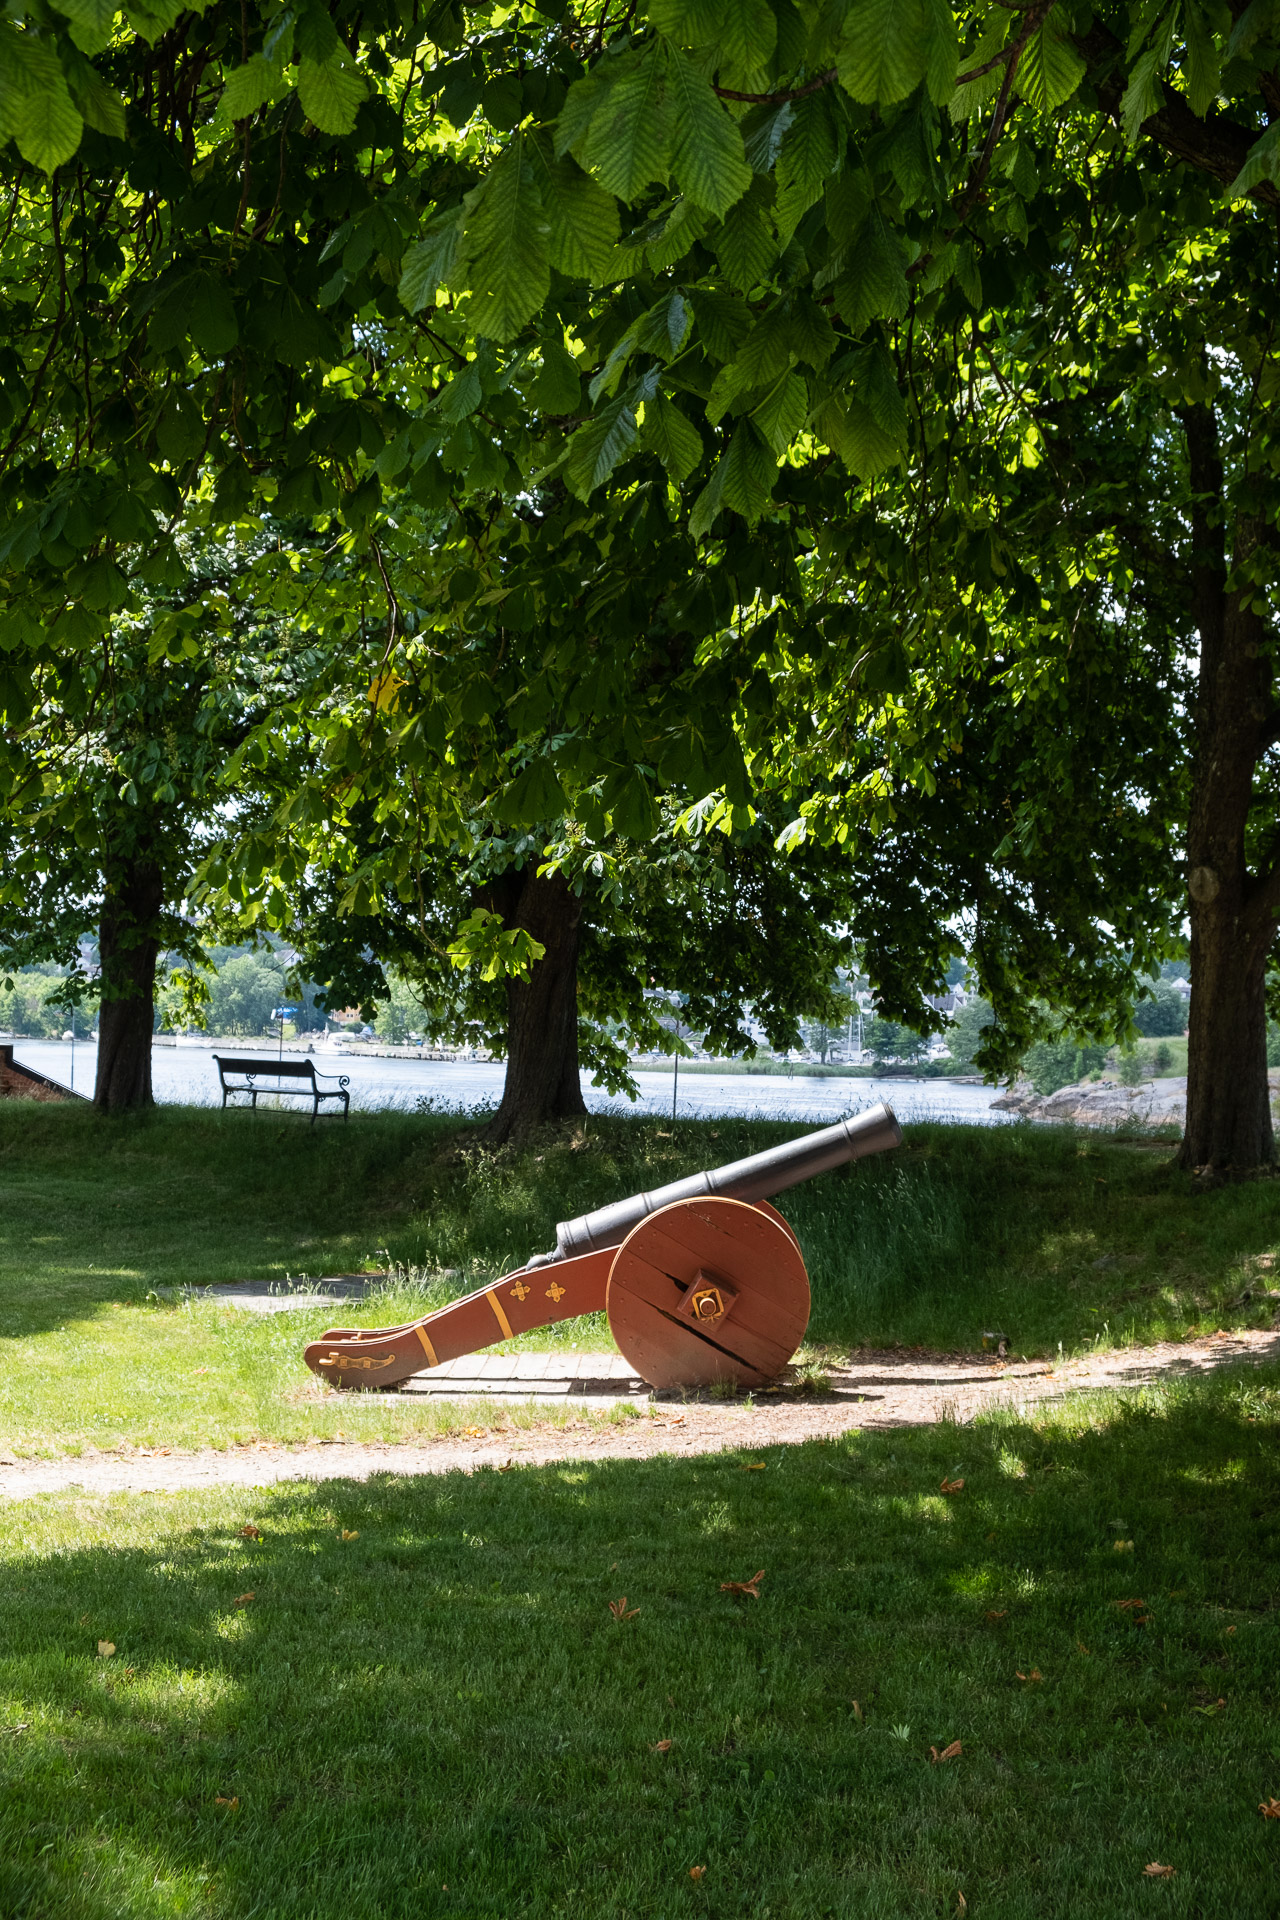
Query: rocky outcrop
[[1100, 1103], [24, 1083]]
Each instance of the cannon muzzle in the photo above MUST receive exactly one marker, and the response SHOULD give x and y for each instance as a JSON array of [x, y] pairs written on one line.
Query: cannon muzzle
[[758, 1177]]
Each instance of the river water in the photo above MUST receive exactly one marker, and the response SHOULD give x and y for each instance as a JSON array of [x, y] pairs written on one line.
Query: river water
[[186, 1074]]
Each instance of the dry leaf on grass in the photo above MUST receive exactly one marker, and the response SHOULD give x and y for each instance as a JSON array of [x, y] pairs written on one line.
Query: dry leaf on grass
[[223, 1800], [962, 1905], [661, 1746], [1156, 1872], [951, 1486], [351, 1533], [751, 1586], [1035, 1674], [1269, 1809], [1128, 1606], [21, 1726], [199, 1369], [105, 1649], [857, 1713], [997, 1613], [475, 1433], [752, 1466], [696, 1873], [251, 1532], [621, 1611], [1123, 1546], [244, 1599], [948, 1753]]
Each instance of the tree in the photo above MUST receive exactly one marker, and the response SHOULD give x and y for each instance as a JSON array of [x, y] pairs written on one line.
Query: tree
[[111, 781], [726, 923], [1165, 1013], [819, 268], [244, 993]]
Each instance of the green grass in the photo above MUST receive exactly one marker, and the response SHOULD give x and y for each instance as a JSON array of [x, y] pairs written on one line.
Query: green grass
[[440, 1716], [1041, 1234]]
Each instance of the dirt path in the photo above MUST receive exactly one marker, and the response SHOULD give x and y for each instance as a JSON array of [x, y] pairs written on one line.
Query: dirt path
[[875, 1390]]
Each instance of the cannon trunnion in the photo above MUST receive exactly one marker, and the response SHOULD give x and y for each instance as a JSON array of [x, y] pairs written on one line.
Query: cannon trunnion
[[702, 1280]]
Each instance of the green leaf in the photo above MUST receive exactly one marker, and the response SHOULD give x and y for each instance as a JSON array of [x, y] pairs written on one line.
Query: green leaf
[[583, 99], [941, 50], [99, 106], [763, 131], [628, 145], [211, 318], [1142, 97], [685, 224], [582, 220], [91, 22], [881, 57], [632, 810], [812, 335], [534, 795], [557, 389], [691, 23], [973, 95], [35, 103], [724, 321], [331, 92], [1261, 163], [874, 283], [1204, 67], [506, 245], [783, 411], [805, 162], [1256, 20], [597, 447], [877, 388], [462, 395], [664, 329], [744, 246], [317, 37], [748, 35], [1049, 71], [428, 265], [750, 471], [672, 436], [249, 87], [707, 156], [851, 430]]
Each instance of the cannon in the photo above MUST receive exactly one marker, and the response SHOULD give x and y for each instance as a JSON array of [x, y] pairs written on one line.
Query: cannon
[[702, 1280]]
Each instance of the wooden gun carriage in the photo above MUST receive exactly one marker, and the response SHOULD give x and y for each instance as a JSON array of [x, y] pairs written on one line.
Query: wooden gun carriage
[[702, 1280]]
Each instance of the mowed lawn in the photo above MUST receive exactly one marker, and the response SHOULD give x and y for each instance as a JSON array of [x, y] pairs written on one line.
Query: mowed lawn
[[1047, 1236], [414, 1697]]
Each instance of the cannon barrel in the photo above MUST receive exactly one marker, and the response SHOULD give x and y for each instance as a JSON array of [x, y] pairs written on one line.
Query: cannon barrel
[[758, 1177]]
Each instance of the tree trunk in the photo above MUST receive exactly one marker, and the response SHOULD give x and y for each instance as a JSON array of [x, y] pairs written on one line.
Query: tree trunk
[[128, 947], [542, 1080], [1233, 912]]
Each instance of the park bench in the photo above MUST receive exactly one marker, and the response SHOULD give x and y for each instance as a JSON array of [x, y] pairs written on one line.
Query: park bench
[[262, 1068]]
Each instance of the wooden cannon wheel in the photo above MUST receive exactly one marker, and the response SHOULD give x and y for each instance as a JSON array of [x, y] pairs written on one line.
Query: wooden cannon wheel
[[708, 1290]]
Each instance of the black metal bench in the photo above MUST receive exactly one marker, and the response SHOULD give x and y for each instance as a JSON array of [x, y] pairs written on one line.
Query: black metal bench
[[262, 1067]]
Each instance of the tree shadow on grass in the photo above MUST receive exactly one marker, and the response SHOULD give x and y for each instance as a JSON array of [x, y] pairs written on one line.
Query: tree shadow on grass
[[429, 1707]]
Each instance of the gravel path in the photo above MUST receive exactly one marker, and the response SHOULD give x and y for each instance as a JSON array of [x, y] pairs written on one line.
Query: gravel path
[[875, 1390]]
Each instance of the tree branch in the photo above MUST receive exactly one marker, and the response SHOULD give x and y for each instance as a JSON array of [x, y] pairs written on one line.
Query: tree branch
[[1218, 146], [780, 99]]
